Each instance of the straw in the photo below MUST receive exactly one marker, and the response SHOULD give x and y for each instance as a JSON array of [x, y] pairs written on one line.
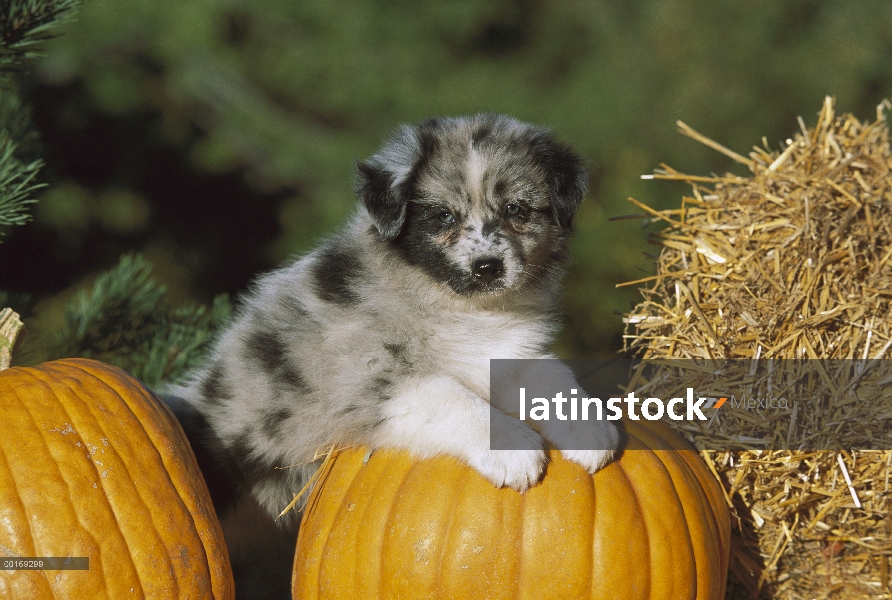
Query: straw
[[794, 261]]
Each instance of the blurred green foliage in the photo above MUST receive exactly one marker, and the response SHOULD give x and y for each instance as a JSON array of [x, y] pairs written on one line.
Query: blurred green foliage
[[287, 94]]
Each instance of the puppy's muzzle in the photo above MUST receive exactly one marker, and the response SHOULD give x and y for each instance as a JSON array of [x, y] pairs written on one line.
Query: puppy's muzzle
[[487, 270]]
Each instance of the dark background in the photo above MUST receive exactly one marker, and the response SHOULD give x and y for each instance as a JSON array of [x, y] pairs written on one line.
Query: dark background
[[217, 137]]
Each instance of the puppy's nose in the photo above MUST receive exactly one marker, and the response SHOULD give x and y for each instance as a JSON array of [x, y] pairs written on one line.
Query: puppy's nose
[[488, 269]]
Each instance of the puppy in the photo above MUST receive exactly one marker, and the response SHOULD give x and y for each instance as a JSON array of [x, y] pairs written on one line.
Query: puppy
[[383, 335]]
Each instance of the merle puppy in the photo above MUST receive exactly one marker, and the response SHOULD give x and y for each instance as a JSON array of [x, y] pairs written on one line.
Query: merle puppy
[[383, 335]]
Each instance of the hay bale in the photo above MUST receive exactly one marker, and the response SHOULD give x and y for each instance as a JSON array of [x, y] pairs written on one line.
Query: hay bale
[[794, 261]]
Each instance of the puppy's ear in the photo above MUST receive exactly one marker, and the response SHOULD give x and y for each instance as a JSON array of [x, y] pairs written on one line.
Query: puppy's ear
[[565, 175], [378, 192], [385, 180]]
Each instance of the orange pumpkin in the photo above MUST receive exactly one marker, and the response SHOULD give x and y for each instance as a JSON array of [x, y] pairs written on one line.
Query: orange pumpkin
[[653, 525], [94, 465]]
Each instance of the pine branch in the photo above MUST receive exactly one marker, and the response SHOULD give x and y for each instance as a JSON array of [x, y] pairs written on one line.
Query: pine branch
[[25, 24], [127, 320], [17, 183]]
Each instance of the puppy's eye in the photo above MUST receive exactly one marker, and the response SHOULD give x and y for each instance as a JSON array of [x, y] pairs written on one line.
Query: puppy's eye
[[512, 209], [446, 217]]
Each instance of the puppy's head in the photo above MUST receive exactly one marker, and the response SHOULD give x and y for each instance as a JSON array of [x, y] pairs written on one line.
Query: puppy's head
[[482, 204]]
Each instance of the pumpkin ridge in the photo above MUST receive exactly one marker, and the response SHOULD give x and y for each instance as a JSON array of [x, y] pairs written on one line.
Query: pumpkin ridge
[[518, 581], [660, 435], [162, 472], [689, 511], [589, 480], [41, 582], [320, 482], [161, 468], [60, 477], [688, 537], [639, 506], [680, 504], [182, 475], [503, 498], [505, 508], [393, 505], [17, 495], [463, 526], [61, 381], [27, 372], [713, 497], [31, 417], [77, 428], [309, 513], [149, 400], [718, 537], [188, 477], [647, 532], [445, 545], [155, 437]]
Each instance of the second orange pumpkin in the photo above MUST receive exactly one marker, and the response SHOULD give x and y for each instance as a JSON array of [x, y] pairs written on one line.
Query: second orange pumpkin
[[653, 525]]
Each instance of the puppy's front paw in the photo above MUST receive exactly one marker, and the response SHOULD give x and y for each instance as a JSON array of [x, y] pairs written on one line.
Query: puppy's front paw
[[518, 469], [591, 460], [592, 445], [521, 462]]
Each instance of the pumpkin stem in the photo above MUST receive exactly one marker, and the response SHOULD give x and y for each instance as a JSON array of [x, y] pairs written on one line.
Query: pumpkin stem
[[10, 325]]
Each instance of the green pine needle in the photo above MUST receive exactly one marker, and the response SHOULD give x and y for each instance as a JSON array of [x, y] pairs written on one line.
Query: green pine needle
[[17, 183], [126, 320], [25, 24]]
